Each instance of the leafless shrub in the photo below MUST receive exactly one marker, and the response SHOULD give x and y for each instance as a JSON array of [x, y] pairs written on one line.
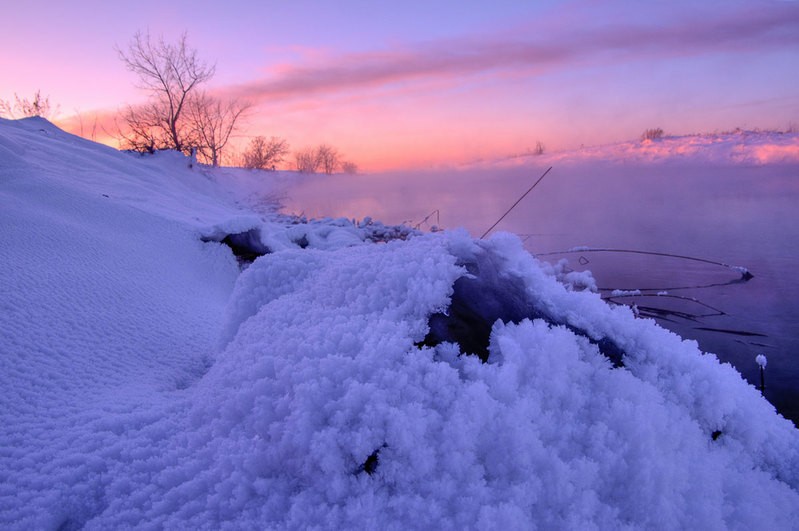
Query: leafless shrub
[[265, 154], [307, 160], [652, 134], [144, 131], [24, 108], [349, 167], [329, 159], [212, 121], [322, 158]]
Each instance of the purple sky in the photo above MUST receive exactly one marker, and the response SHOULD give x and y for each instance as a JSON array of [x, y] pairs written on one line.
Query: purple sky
[[429, 83]]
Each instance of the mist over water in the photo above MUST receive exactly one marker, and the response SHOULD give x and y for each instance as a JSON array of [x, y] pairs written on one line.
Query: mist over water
[[742, 215]]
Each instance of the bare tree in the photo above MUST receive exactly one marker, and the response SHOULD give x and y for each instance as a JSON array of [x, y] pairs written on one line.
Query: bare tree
[[307, 160], [265, 154], [24, 108], [349, 167], [171, 73], [323, 157], [329, 159], [144, 131], [213, 121]]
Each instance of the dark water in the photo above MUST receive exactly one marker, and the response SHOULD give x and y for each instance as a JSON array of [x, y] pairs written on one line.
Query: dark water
[[739, 215]]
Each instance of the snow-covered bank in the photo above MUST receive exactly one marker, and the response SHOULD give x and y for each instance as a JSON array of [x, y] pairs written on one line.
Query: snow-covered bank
[[147, 383]]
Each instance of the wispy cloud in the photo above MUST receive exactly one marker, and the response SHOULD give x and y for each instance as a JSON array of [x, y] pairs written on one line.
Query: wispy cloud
[[749, 29]]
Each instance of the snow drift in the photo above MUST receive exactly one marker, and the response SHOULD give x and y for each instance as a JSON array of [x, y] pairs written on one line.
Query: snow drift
[[147, 382]]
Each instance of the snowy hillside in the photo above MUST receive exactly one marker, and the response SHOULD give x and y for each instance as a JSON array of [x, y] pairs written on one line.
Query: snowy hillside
[[427, 381]]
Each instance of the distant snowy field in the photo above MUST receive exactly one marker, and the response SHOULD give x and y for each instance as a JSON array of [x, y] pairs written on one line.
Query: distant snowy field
[[147, 382], [737, 147]]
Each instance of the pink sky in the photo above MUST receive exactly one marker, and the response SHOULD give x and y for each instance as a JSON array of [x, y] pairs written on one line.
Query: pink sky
[[422, 84]]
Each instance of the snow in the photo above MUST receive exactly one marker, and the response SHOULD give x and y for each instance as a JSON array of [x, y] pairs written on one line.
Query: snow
[[761, 360], [572, 280], [625, 293], [148, 381]]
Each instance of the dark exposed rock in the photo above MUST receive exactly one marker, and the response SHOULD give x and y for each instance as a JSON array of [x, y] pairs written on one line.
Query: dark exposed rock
[[370, 465], [477, 302], [482, 297], [246, 246], [302, 242]]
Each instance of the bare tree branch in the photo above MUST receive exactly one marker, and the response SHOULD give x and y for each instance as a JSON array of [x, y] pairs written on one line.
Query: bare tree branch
[[145, 131], [265, 154], [329, 159], [349, 167], [323, 157], [213, 122], [170, 73], [306, 160]]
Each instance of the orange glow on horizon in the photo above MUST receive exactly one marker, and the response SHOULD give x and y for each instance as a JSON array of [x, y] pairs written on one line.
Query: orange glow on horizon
[[374, 142], [581, 77]]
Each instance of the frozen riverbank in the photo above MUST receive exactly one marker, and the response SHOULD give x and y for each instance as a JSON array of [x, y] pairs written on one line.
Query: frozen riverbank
[[148, 382]]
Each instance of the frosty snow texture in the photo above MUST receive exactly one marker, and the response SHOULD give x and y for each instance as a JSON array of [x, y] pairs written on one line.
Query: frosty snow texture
[[147, 382]]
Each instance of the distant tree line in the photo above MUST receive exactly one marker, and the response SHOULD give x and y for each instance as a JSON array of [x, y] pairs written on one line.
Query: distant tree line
[[308, 160], [655, 133], [323, 158], [266, 154]]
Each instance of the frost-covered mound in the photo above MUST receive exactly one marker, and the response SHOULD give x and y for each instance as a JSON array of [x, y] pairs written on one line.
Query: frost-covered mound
[[325, 410], [147, 383]]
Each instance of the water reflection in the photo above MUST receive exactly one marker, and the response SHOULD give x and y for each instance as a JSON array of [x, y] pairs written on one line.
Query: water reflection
[[735, 214]]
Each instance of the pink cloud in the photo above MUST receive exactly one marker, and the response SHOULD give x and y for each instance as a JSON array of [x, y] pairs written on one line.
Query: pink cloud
[[744, 30]]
